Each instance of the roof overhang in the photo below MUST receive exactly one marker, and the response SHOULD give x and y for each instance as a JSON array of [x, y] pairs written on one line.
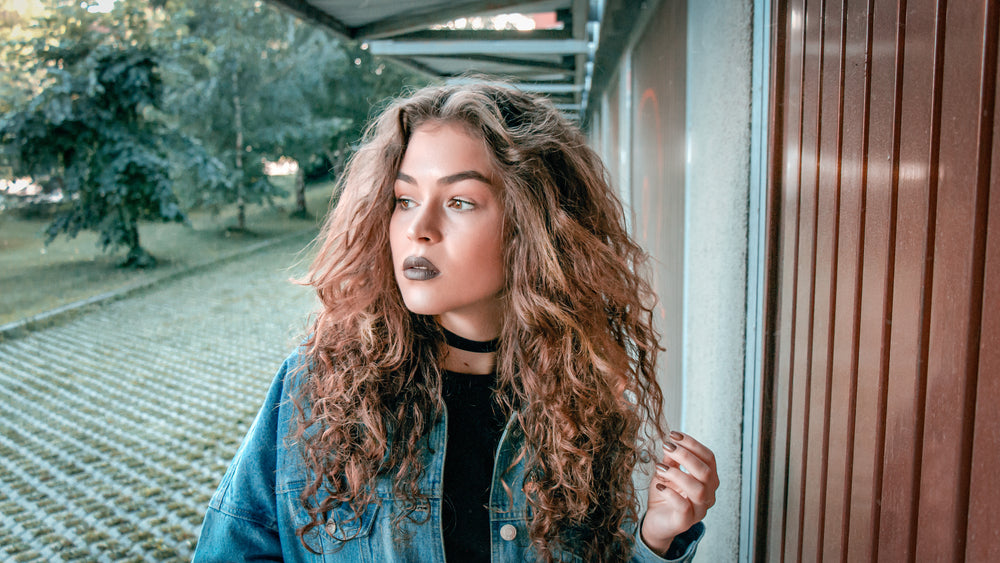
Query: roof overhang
[[556, 62]]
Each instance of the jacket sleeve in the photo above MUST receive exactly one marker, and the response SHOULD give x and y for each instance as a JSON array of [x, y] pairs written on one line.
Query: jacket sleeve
[[241, 521], [681, 550]]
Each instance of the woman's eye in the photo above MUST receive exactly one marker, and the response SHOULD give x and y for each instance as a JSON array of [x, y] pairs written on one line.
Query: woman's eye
[[461, 204], [404, 202]]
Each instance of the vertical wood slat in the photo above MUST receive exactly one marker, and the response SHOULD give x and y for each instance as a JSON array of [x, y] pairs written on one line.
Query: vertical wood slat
[[825, 249], [786, 166], [887, 284], [911, 282], [884, 76], [765, 506], [843, 382], [801, 377], [780, 491], [983, 536], [956, 292]]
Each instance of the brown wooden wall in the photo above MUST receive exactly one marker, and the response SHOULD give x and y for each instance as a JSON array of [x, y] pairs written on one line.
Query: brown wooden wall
[[883, 337]]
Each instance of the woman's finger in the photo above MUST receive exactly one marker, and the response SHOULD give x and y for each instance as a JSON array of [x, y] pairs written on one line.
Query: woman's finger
[[675, 502], [660, 482], [694, 446], [675, 454], [687, 486]]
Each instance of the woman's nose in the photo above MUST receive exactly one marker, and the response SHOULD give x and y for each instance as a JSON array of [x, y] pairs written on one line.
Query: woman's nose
[[425, 225]]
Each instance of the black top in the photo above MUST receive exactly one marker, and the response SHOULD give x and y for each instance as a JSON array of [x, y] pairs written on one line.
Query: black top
[[474, 428]]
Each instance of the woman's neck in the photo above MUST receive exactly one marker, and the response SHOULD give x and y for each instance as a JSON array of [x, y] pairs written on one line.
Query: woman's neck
[[462, 357], [462, 361]]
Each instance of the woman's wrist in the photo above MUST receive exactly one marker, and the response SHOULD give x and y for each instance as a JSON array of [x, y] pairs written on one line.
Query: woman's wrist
[[660, 547]]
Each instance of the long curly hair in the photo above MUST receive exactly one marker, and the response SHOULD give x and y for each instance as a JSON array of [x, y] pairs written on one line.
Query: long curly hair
[[577, 359]]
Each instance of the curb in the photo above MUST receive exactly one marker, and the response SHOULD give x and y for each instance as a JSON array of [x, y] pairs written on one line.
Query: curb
[[63, 313]]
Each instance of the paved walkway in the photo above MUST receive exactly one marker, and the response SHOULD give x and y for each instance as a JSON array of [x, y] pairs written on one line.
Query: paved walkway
[[116, 427]]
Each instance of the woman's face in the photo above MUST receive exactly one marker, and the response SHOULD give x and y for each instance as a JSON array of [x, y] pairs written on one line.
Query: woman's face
[[446, 229]]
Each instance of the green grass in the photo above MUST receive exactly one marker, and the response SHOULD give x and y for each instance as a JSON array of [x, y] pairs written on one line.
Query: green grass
[[35, 278]]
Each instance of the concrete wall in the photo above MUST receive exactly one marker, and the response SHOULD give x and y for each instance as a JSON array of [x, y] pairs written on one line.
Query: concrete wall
[[719, 51]]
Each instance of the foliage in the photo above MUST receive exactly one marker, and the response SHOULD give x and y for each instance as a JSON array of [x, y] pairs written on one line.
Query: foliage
[[167, 105], [238, 94], [261, 80], [92, 130]]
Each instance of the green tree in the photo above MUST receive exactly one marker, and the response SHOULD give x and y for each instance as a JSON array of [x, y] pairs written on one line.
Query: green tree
[[311, 59], [262, 84], [343, 92], [93, 128], [234, 95]]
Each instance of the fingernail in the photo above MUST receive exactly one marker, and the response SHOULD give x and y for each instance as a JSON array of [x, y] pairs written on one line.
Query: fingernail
[[661, 467], [669, 446], [674, 435]]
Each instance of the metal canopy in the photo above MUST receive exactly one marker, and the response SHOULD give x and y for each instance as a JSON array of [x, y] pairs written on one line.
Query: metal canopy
[[556, 62]]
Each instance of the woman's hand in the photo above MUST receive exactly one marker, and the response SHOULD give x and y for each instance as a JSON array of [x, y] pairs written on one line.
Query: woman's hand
[[679, 499]]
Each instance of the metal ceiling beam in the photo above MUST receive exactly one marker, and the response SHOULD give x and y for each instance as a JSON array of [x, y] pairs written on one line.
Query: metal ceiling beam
[[498, 74], [534, 64], [481, 47], [485, 34], [402, 23], [405, 37], [538, 87], [549, 88]]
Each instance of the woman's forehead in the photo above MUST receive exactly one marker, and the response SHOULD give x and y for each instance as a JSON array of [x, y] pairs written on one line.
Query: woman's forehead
[[449, 150]]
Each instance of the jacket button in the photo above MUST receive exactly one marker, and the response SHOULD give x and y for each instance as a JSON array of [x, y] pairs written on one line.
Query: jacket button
[[331, 528], [508, 532]]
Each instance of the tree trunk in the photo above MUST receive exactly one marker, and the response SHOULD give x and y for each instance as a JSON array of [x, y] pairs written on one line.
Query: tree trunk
[[300, 194], [241, 218], [137, 256]]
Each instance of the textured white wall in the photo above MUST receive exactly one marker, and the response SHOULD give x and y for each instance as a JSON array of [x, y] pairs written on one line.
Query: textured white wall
[[719, 49]]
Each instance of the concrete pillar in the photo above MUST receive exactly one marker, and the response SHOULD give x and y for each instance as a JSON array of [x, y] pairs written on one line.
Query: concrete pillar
[[719, 49]]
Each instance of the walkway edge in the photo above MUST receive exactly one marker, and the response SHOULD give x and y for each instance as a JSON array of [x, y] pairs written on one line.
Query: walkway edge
[[63, 313]]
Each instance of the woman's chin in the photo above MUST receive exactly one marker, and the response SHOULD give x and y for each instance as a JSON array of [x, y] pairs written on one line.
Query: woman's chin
[[421, 308]]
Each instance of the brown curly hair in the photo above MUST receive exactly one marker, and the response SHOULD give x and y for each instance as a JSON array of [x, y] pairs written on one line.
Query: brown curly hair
[[577, 360]]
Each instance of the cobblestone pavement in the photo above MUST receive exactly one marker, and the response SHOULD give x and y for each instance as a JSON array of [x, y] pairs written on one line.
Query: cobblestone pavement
[[116, 427]]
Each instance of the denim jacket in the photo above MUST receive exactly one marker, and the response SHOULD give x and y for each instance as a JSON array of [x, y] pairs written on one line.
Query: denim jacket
[[254, 514]]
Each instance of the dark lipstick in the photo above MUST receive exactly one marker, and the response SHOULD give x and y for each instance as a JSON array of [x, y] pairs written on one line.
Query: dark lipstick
[[418, 268]]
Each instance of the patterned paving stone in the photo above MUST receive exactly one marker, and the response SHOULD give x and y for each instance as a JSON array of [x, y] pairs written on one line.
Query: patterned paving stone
[[116, 427]]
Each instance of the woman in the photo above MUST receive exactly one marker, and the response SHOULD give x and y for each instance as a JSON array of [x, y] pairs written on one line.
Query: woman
[[479, 383]]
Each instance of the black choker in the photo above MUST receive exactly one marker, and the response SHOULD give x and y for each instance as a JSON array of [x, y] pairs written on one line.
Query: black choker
[[477, 346]]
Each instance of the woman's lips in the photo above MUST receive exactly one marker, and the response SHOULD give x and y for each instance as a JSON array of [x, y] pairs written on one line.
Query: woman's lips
[[418, 268]]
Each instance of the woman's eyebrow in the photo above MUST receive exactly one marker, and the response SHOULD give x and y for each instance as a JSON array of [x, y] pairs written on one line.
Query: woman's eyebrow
[[451, 179], [466, 175]]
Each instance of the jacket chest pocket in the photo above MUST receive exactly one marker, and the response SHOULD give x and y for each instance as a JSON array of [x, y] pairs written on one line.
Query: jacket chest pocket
[[343, 537], [343, 525]]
